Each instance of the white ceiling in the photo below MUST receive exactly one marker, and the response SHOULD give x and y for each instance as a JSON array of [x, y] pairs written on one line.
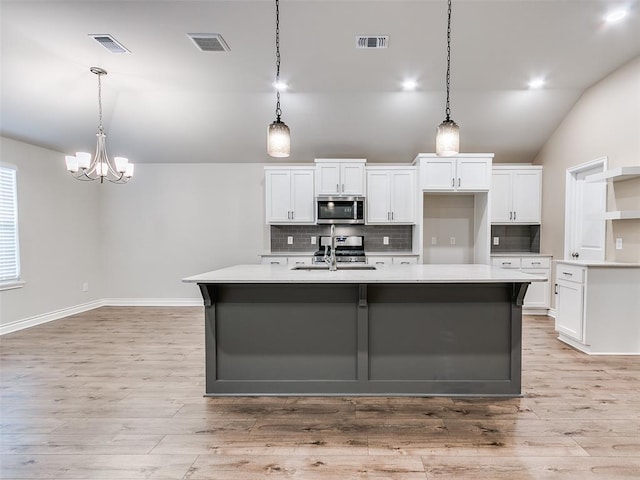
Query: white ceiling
[[169, 102]]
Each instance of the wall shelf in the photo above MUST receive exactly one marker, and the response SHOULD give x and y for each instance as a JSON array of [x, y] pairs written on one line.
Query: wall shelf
[[615, 174], [622, 215]]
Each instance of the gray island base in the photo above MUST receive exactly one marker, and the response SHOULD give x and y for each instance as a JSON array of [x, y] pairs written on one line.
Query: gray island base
[[350, 336]]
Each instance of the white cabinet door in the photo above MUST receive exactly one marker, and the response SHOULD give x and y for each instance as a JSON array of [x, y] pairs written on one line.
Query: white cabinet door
[[352, 179], [278, 196], [538, 292], [526, 192], [473, 174], [569, 311], [438, 174], [328, 179], [378, 196], [302, 198], [403, 196], [501, 207]]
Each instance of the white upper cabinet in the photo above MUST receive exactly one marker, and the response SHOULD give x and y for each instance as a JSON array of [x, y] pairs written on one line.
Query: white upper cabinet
[[461, 173], [516, 194], [335, 177], [391, 195], [289, 196]]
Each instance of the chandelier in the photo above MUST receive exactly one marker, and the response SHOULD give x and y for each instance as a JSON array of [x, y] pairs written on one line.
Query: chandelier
[[278, 134], [85, 168], [448, 132]]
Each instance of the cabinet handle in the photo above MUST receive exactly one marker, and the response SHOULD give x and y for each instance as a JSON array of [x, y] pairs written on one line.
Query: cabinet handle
[[289, 215], [299, 263], [568, 274], [458, 181], [510, 215], [555, 289], [391, 215], [343, 188], [338, 187], [292, 215], [405, 263], [388, 215], [506, 263], [275, 263], [535, 263], [379, 263], [514, 216], [453, 182]]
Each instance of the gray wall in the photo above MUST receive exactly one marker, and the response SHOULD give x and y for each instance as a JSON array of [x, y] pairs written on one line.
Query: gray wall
[[58, 221]]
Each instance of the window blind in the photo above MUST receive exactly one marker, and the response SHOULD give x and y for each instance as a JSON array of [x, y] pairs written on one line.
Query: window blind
[[9, 252]]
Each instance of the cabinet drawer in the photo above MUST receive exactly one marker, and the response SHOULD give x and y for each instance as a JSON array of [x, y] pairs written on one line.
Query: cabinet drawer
[[379, 260], [535, 262], [405, 260], [506, 262], [572, 273], [299, 261], [274, 260]]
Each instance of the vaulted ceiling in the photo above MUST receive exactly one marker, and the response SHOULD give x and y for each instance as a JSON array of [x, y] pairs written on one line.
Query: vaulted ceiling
[[166, 101]]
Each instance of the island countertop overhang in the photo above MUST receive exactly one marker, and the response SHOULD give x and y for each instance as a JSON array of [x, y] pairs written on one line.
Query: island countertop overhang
[[466, 273]]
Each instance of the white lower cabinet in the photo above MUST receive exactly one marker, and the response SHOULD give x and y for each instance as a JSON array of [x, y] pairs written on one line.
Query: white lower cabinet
[[392, 260], [282, 260], [597, 307], [538, 293]]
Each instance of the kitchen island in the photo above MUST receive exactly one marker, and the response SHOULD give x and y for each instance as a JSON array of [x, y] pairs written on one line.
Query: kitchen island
[[395, 330]]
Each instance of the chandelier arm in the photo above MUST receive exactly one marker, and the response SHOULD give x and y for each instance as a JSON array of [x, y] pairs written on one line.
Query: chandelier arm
[[448, 108]]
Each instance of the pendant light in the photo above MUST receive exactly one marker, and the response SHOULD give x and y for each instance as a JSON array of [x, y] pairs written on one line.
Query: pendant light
[[83, 167], [448, 132], [278, 134]]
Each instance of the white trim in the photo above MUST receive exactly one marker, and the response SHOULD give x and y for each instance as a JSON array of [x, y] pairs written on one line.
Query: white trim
[[12, 284], [105, 302], [153, 302], [48, 317], [540, 311], [553, 313]]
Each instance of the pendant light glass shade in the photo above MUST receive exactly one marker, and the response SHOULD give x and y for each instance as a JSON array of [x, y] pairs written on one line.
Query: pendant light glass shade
[[447, 139], [278, 140]]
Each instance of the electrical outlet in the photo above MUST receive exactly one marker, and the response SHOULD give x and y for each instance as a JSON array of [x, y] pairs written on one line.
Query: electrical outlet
[[385, 240], [496, 240], [289, 240], [313, 240], [434, 241], [453, 240], [618, 243], [85, 287]]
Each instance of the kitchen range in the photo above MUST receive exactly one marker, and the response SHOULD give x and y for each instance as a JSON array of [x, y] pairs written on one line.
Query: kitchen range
[[348, 249]]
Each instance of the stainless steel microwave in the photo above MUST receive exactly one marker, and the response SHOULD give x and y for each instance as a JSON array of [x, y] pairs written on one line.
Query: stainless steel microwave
[[345, 210]]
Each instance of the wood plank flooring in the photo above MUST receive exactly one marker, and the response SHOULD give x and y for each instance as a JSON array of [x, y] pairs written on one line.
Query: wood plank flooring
[[116, 393]]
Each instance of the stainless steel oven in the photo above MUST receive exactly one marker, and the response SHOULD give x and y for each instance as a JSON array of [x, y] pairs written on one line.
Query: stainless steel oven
[[340, 210]]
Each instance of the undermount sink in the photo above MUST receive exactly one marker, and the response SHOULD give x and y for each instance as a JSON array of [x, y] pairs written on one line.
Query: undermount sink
[[355, 266]]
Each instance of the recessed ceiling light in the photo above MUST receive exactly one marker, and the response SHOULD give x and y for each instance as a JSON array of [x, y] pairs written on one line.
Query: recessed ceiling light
[[616, 15], [280, 86], [536, 83], [409, 85]]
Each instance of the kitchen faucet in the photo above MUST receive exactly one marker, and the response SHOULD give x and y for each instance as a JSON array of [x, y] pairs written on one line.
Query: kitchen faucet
[[331, 258]]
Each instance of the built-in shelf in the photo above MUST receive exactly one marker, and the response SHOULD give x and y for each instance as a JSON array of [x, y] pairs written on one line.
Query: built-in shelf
[[615, 175], [622, 215]]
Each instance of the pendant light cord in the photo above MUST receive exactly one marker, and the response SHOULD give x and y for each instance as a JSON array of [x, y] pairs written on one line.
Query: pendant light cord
[[278, 110], [100, 128], [448, 109]]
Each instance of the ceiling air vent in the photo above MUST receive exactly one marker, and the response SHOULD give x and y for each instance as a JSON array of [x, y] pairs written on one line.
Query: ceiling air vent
[[108, 42], [209, 42], [377, 41]]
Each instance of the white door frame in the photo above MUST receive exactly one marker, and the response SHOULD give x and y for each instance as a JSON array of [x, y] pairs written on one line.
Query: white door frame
[[571, 179]]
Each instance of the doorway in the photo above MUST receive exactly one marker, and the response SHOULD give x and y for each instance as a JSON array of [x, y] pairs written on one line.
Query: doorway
[[585, 206]]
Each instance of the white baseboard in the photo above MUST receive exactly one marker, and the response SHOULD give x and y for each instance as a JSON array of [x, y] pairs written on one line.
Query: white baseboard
[[535, 311], [105, 302], [49, 317], [153, 302], [552, 312]]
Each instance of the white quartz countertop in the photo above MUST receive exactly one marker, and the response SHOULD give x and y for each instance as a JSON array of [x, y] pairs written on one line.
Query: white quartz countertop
[[520, 254], [383, 274], [593, 263]]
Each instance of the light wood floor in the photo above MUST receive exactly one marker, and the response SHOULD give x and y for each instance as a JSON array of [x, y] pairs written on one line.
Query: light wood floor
[[116, 393]]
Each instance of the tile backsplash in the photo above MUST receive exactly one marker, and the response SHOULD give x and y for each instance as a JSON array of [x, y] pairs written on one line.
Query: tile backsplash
[[516, 238], [399, 237]]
